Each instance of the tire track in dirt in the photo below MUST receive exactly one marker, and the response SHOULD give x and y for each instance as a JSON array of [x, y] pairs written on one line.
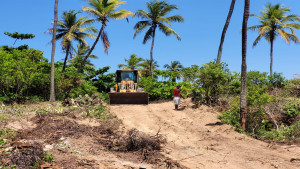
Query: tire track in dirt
[[197, 138]]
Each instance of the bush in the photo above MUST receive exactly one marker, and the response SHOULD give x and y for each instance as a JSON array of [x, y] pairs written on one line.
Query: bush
[[163, 90], [100, 79], [294, 87], [72, 84], [286, 133], [213, 78], [21, 71], [277, 80], [257, 78]]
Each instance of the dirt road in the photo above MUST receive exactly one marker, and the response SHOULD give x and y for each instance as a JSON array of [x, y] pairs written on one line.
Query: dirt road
[[197, 138]]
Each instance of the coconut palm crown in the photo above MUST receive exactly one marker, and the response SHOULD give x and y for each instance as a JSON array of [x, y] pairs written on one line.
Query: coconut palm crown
[[275, 22], [79, 55], [175, 67], [133, 62], [102, 11], [156, 17], [72, 28]]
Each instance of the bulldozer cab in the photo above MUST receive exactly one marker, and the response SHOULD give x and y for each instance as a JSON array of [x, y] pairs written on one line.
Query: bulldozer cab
[[129, 75], [126, 90]]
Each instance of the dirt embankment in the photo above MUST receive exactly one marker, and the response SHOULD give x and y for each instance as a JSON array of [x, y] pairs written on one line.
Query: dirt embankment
[[196, 138]]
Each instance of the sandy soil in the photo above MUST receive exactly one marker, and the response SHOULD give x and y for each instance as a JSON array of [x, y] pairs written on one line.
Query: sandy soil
[[197, 138]]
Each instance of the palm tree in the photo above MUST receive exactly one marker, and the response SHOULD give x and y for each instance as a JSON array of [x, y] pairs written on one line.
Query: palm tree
[[102, 11], [225, 30], [243, 99], [52, 88], [145, 70], [79, 55], [175, 67], [274, 22], [156, 17], [133, 62], [72, 28]]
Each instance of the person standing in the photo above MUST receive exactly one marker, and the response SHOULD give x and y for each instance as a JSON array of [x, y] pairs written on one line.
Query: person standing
[[176, 95]]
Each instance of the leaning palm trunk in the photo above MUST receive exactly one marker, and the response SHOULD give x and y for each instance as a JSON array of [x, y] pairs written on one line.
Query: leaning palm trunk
[[52, 87], [92, 48], [225, 30], [151, 54], [271, 57], [66, 58], [243, 100]]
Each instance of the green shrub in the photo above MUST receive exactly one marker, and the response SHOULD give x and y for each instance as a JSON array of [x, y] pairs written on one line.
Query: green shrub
[[100, 78], [19, 71], [257, 78], [292, 108], [294, 87], [232, 116], [47, 157], [213, 78], [277, 80], [98, 112], [287, 133], [163, 89]]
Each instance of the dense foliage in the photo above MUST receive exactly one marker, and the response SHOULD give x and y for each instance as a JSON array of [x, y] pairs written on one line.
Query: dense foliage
[[25, 75]]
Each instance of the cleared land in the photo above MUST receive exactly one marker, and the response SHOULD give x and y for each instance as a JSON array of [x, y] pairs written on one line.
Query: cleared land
[[196, 138]]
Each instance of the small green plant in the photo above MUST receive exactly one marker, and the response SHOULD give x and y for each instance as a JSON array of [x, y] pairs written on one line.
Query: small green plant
[[2, 143], [99, 112], [292, 109], [47, 157]]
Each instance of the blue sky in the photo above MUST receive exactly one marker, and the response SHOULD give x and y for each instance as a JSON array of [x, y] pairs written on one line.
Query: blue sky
[[200, 34]]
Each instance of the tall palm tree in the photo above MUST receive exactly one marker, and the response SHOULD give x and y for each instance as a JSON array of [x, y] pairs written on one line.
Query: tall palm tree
[[145, 70], [225, 30], [72, 28], [103, 11], [133, 62], [175, 67], [156, 17], [274, 22], [79, 55], [52, 88], [243, 99]]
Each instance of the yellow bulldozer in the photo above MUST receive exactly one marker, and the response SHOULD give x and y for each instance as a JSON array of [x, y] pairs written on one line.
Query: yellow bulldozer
[[126, 90]]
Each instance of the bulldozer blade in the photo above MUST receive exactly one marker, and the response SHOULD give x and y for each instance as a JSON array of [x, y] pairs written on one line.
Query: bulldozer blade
[[128, 98]]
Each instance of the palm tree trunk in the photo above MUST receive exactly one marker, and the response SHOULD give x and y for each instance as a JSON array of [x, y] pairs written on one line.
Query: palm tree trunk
[[271, 57], [151, 53], [14, 43], [66, 58], [52, 87], [243, 100], [225, 30], [91, 50]]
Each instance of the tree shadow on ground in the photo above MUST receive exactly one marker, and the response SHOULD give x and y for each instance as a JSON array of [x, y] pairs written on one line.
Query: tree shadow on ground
[[215, 124]]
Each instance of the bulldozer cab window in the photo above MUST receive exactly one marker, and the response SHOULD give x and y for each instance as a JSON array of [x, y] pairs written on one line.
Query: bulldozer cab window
[[127, 76]]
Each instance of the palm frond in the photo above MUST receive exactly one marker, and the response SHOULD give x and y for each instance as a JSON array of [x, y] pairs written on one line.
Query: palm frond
[[148, 35], [168, 31], [254, 28], [92, 11], [105, 42], [120, 14], [283, 35], [140, 26], [142, 14], [257, 40], [175, 18], [167, 9]]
